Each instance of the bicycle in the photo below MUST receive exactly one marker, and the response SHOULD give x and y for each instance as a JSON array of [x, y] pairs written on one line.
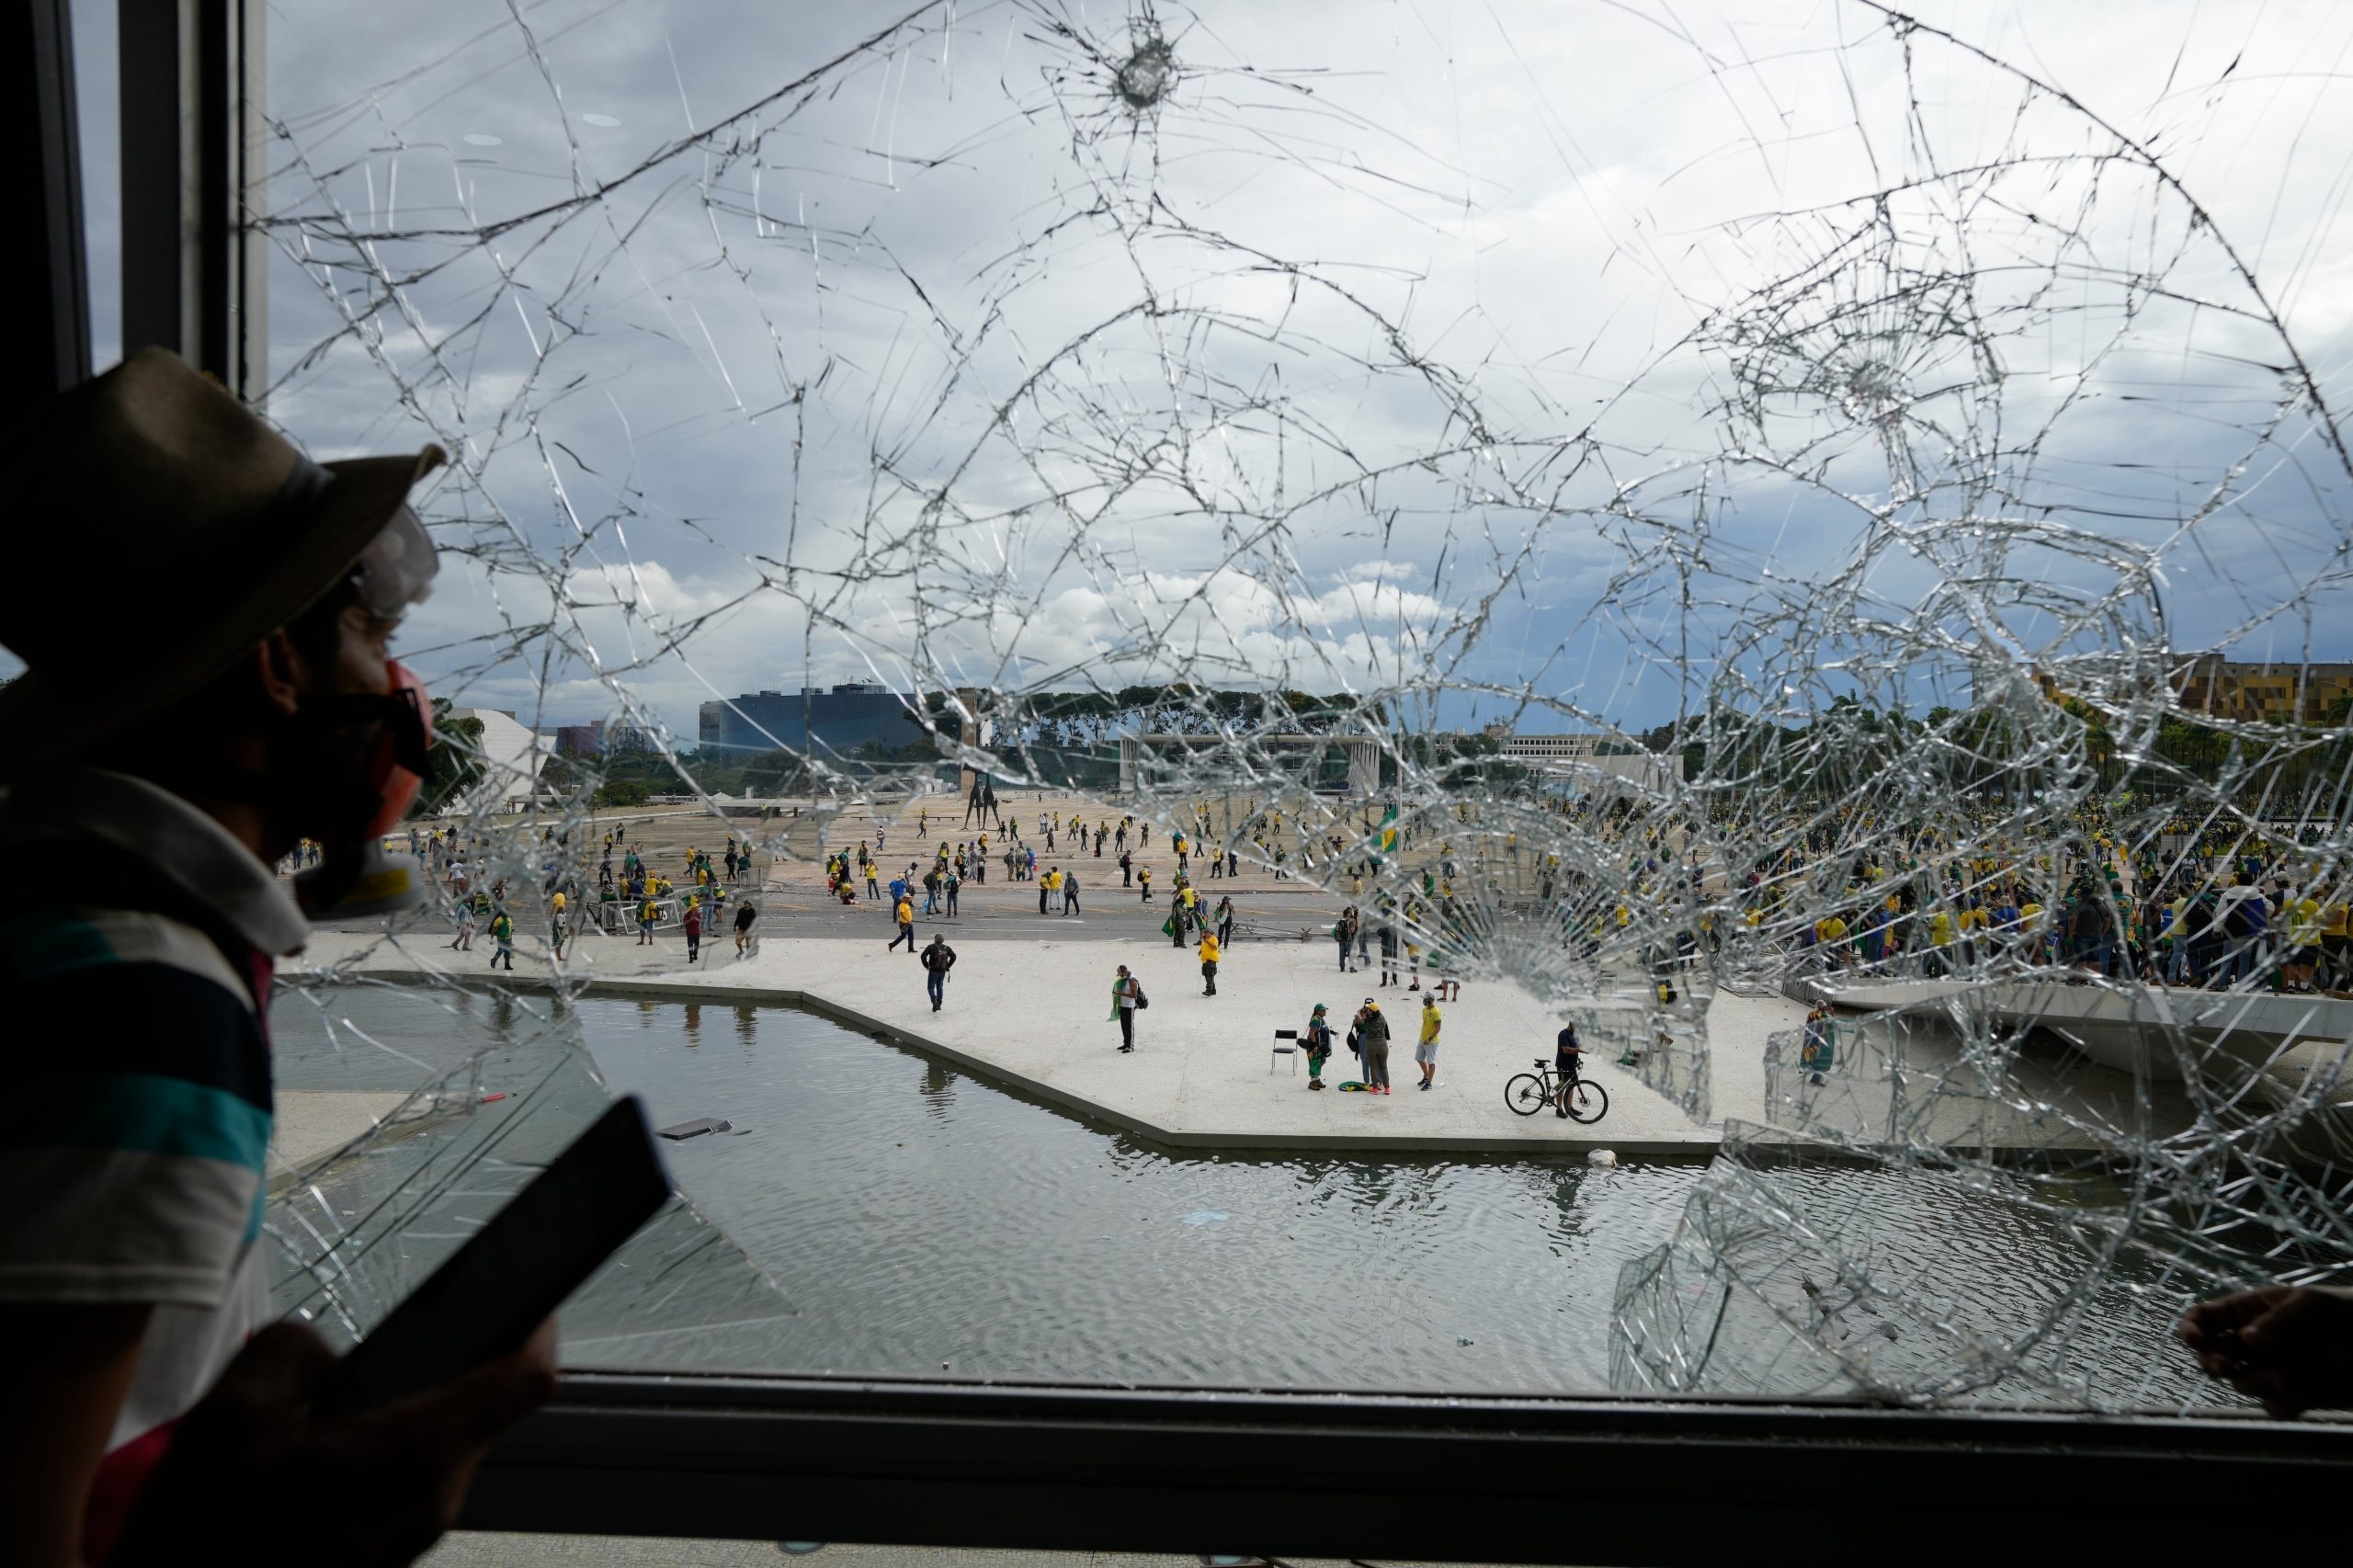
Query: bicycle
[[1587, 1101]]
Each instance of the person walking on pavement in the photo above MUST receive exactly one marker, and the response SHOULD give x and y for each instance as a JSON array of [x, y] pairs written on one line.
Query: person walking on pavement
[[1373, 1043], [746, 915], [1208, 951], [502, 931], [905, 915], [1316, 1039], [1426, 1049], [1127, 869], [937, 960], [1143, 879], [1225, 922], [1388, 953], [1344, 932], [691, 923], [1127, 995], [1070, 892]]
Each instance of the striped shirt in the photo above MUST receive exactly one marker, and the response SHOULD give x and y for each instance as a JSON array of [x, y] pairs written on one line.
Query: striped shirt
[[132, 1145]]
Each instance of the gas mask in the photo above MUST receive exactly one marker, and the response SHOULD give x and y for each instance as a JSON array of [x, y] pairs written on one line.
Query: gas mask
[[357, 877]]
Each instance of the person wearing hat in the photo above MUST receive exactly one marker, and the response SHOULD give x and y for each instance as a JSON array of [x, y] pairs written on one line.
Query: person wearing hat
[[1426, 1049], [1372, 1044], [1127, 995], [1317, 1037], [249, 703]]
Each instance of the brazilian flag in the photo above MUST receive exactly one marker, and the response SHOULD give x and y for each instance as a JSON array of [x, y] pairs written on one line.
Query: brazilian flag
[[1384, 840]]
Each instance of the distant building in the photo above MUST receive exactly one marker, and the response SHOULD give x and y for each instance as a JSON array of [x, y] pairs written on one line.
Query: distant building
[[512, 756], [2277, 691], [596, 740], [829, 720], [1572, 755]]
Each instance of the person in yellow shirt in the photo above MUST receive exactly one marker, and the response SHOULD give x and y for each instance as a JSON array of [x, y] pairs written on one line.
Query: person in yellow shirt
[[905, 915], [1426, 1049], [2337, 942], [1831, 932], [557, 927], [1209, 962], [1940, 935], [2301, 912]]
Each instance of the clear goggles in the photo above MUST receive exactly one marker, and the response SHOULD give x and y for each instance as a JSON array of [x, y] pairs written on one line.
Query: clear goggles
[[397, 568]]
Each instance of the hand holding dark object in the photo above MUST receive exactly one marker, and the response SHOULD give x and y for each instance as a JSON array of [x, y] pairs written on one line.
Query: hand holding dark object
[[252, 1477], [2288, 1346]]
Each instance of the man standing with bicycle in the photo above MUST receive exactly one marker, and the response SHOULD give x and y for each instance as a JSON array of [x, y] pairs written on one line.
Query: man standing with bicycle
[[1566, 1054]]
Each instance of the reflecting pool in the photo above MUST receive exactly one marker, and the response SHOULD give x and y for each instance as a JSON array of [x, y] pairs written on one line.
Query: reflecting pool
[[915, 1217]]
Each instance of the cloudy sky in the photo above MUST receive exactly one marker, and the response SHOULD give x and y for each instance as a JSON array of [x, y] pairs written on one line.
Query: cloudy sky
[[1594, 353]]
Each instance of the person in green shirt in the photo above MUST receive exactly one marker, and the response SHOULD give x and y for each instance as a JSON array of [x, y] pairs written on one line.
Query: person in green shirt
[[502, 931], [1316, 1040]]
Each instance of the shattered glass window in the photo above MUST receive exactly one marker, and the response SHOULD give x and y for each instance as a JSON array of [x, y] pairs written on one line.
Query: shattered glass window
[[1896, 455]]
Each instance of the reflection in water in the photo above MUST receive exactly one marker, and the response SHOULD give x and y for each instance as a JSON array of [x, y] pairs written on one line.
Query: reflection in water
[[1016, 1240], [935, 1085]]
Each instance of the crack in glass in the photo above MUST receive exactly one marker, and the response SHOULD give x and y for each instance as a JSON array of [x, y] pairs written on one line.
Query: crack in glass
[[1090, 377]]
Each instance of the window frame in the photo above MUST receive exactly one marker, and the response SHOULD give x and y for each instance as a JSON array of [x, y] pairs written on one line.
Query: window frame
[[1517, 1478], [1495, 1478]]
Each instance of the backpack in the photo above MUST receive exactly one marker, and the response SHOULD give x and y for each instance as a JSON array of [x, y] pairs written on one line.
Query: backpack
[[1142, 1001]]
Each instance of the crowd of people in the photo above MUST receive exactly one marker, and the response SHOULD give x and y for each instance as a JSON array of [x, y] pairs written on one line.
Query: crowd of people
[[477, 899], [2205, 908]]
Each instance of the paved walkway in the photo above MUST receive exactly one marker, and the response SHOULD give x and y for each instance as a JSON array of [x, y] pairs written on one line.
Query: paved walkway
[[1028, 1003], [1034, 1013], [308, 1124]]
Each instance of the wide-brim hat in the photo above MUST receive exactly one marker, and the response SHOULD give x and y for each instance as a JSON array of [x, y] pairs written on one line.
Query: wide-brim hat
[[169, 530]]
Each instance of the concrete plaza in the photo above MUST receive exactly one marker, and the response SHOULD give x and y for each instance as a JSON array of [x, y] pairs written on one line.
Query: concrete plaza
[[1033, 1013]]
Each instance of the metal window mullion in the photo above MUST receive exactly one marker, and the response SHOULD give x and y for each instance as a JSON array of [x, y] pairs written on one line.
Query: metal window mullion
[[193, 139]]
